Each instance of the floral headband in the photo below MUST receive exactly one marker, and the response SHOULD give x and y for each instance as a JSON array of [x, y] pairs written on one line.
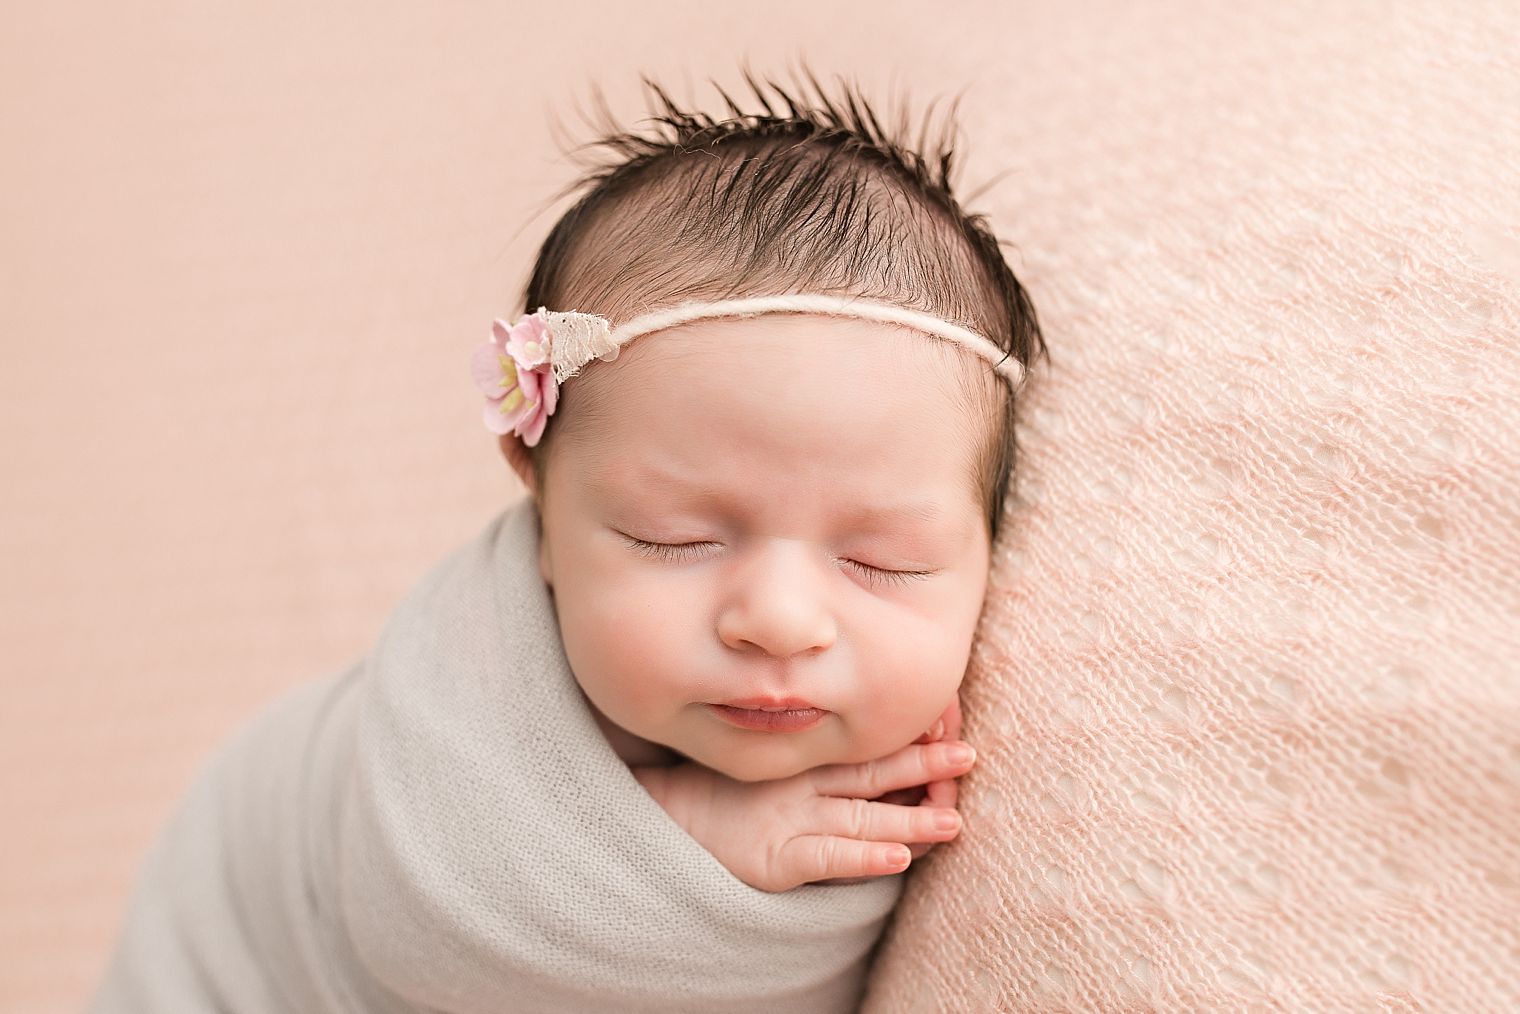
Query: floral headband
[[520, 369]]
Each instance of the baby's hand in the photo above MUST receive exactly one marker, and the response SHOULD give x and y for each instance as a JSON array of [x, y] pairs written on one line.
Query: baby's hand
[[822, 824], [942, 793]]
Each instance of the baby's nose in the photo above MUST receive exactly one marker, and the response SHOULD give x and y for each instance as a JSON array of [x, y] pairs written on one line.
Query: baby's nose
[[778, 603]]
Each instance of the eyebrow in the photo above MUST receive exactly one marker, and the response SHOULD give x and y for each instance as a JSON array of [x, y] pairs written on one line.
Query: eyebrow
[[926, 512], [668, 485]]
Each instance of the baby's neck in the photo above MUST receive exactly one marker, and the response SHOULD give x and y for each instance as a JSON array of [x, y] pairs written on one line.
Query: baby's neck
[[635, 751]]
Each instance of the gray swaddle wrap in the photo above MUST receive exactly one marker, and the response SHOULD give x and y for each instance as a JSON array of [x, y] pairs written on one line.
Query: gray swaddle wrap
[[443, 827]]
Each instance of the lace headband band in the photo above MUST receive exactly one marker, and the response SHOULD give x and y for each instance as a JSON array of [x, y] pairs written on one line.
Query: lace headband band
[[520, 369]]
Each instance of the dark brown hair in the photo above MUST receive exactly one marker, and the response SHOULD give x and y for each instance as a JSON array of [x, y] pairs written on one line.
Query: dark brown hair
[[813, 197]]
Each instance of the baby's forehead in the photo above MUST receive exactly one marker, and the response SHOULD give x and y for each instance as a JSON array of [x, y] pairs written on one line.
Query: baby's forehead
[[822, 412]]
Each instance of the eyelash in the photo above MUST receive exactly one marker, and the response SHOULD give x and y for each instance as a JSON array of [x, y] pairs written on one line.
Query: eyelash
[[680, 551]]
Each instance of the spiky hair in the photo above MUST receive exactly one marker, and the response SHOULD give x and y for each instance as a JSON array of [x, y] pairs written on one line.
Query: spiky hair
[[807, 194]]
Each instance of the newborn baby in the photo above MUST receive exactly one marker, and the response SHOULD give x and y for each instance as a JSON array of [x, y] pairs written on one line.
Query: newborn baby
[[657, 738]]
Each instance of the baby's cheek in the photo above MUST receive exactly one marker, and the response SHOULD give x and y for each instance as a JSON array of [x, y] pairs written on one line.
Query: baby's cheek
[[640, 650], [903, 695]]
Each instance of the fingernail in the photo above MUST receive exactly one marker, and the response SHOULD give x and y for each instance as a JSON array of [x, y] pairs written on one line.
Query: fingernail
[[947, 821], [959, 754], [896, 857]]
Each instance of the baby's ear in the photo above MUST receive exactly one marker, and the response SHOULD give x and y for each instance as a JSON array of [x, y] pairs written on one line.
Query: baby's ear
[[516, 453]]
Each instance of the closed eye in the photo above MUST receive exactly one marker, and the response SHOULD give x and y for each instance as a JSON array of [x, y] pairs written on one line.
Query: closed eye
[[686, 550], [875, 574], [665, 550]]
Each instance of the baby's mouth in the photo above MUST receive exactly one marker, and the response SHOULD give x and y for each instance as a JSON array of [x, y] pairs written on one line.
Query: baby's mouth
[[769, 719]]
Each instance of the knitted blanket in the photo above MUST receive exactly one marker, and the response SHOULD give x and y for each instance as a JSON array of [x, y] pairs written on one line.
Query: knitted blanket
[[443, 827]]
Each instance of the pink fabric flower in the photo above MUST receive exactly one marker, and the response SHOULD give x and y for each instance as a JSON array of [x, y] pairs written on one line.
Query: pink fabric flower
[[514, 372]]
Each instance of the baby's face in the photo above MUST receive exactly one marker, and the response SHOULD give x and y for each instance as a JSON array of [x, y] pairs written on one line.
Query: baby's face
[[771, 463]]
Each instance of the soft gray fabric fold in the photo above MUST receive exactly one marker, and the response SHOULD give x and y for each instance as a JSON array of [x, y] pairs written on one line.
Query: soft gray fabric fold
[[443, 827]]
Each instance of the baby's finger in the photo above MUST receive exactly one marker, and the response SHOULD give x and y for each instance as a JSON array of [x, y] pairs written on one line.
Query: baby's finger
[[819, 857], [919, 849], [870, 821], [944, 792], [913, 765]]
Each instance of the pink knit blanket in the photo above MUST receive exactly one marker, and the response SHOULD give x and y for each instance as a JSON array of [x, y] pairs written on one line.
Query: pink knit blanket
[[1247, 689]]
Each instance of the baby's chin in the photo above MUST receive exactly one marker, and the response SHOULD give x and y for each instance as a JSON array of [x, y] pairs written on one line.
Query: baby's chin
[[757, 769], [774, 760]]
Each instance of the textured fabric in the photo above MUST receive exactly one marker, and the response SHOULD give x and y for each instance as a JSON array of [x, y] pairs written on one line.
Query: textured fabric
[[443, 827], [1247, 688]]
